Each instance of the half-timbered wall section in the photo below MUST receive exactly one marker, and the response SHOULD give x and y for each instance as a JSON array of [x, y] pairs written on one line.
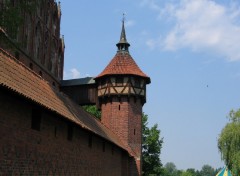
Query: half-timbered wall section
[[118, 85]]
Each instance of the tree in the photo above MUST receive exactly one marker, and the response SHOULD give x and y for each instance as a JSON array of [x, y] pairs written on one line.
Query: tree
[[186, 173], [151, 149], [229, 142], [192, 172], [208, 171], [170, 169], [92, 109]]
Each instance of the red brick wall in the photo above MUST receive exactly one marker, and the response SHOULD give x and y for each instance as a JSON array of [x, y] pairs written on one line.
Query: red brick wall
[[124, 117], [24, 151]]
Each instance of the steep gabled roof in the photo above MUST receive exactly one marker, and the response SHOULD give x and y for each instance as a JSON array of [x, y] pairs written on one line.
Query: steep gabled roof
[[16, 77], [123, 64]]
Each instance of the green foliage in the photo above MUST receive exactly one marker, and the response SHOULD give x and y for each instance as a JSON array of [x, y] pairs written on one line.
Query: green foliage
[[171, 170], [92, 109], [229, 142], [186, 173], [151, 149], [208, 171], [192, 172]]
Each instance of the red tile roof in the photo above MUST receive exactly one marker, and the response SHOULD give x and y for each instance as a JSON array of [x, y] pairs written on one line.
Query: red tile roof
[[18, 78], [123, 64]]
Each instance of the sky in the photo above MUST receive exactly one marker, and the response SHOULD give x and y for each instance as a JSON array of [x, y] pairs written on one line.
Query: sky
[[189, 48]]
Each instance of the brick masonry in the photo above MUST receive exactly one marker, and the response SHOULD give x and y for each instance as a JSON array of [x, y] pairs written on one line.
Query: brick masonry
[[25, 151], [124, 117]]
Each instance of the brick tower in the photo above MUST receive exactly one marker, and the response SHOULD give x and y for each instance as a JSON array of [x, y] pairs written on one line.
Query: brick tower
[[121, 95]]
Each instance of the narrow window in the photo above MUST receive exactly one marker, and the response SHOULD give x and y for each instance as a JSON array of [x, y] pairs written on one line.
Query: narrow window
[[90, 141], [70, 132], [112, 150], [26, 41], [36, 119], [103, 146], [119, 107], [43, 60], [55, 131], [134, 132]]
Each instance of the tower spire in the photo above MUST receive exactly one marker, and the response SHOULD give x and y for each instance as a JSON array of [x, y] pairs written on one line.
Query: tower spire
[[123, 44]]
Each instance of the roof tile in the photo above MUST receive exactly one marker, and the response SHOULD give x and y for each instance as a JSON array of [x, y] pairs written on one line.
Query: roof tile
[[22, 80], [123, 64]]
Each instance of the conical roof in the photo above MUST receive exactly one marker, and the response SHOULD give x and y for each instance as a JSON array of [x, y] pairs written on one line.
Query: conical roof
[[123, 64]]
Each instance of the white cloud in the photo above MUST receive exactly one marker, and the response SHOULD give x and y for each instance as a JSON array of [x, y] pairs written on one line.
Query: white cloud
[[74, 73], [202, 25], [71, 74], [151, 43], [151, 4]]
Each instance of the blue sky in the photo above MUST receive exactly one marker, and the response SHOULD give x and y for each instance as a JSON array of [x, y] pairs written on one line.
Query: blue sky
[[189, 48]]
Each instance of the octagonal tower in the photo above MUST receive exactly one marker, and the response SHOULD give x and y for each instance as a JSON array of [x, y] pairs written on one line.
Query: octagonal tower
[[121, 90]]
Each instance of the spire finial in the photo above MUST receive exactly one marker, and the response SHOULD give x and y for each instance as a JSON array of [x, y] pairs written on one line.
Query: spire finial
[[123, 20], [123, 44]]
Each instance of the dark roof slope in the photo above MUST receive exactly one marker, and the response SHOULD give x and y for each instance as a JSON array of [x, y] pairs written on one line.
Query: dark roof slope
[[20, 79], [123, 64], [77, 82]]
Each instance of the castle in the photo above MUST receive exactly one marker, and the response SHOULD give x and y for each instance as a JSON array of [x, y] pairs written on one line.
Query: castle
[[44, 130]]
